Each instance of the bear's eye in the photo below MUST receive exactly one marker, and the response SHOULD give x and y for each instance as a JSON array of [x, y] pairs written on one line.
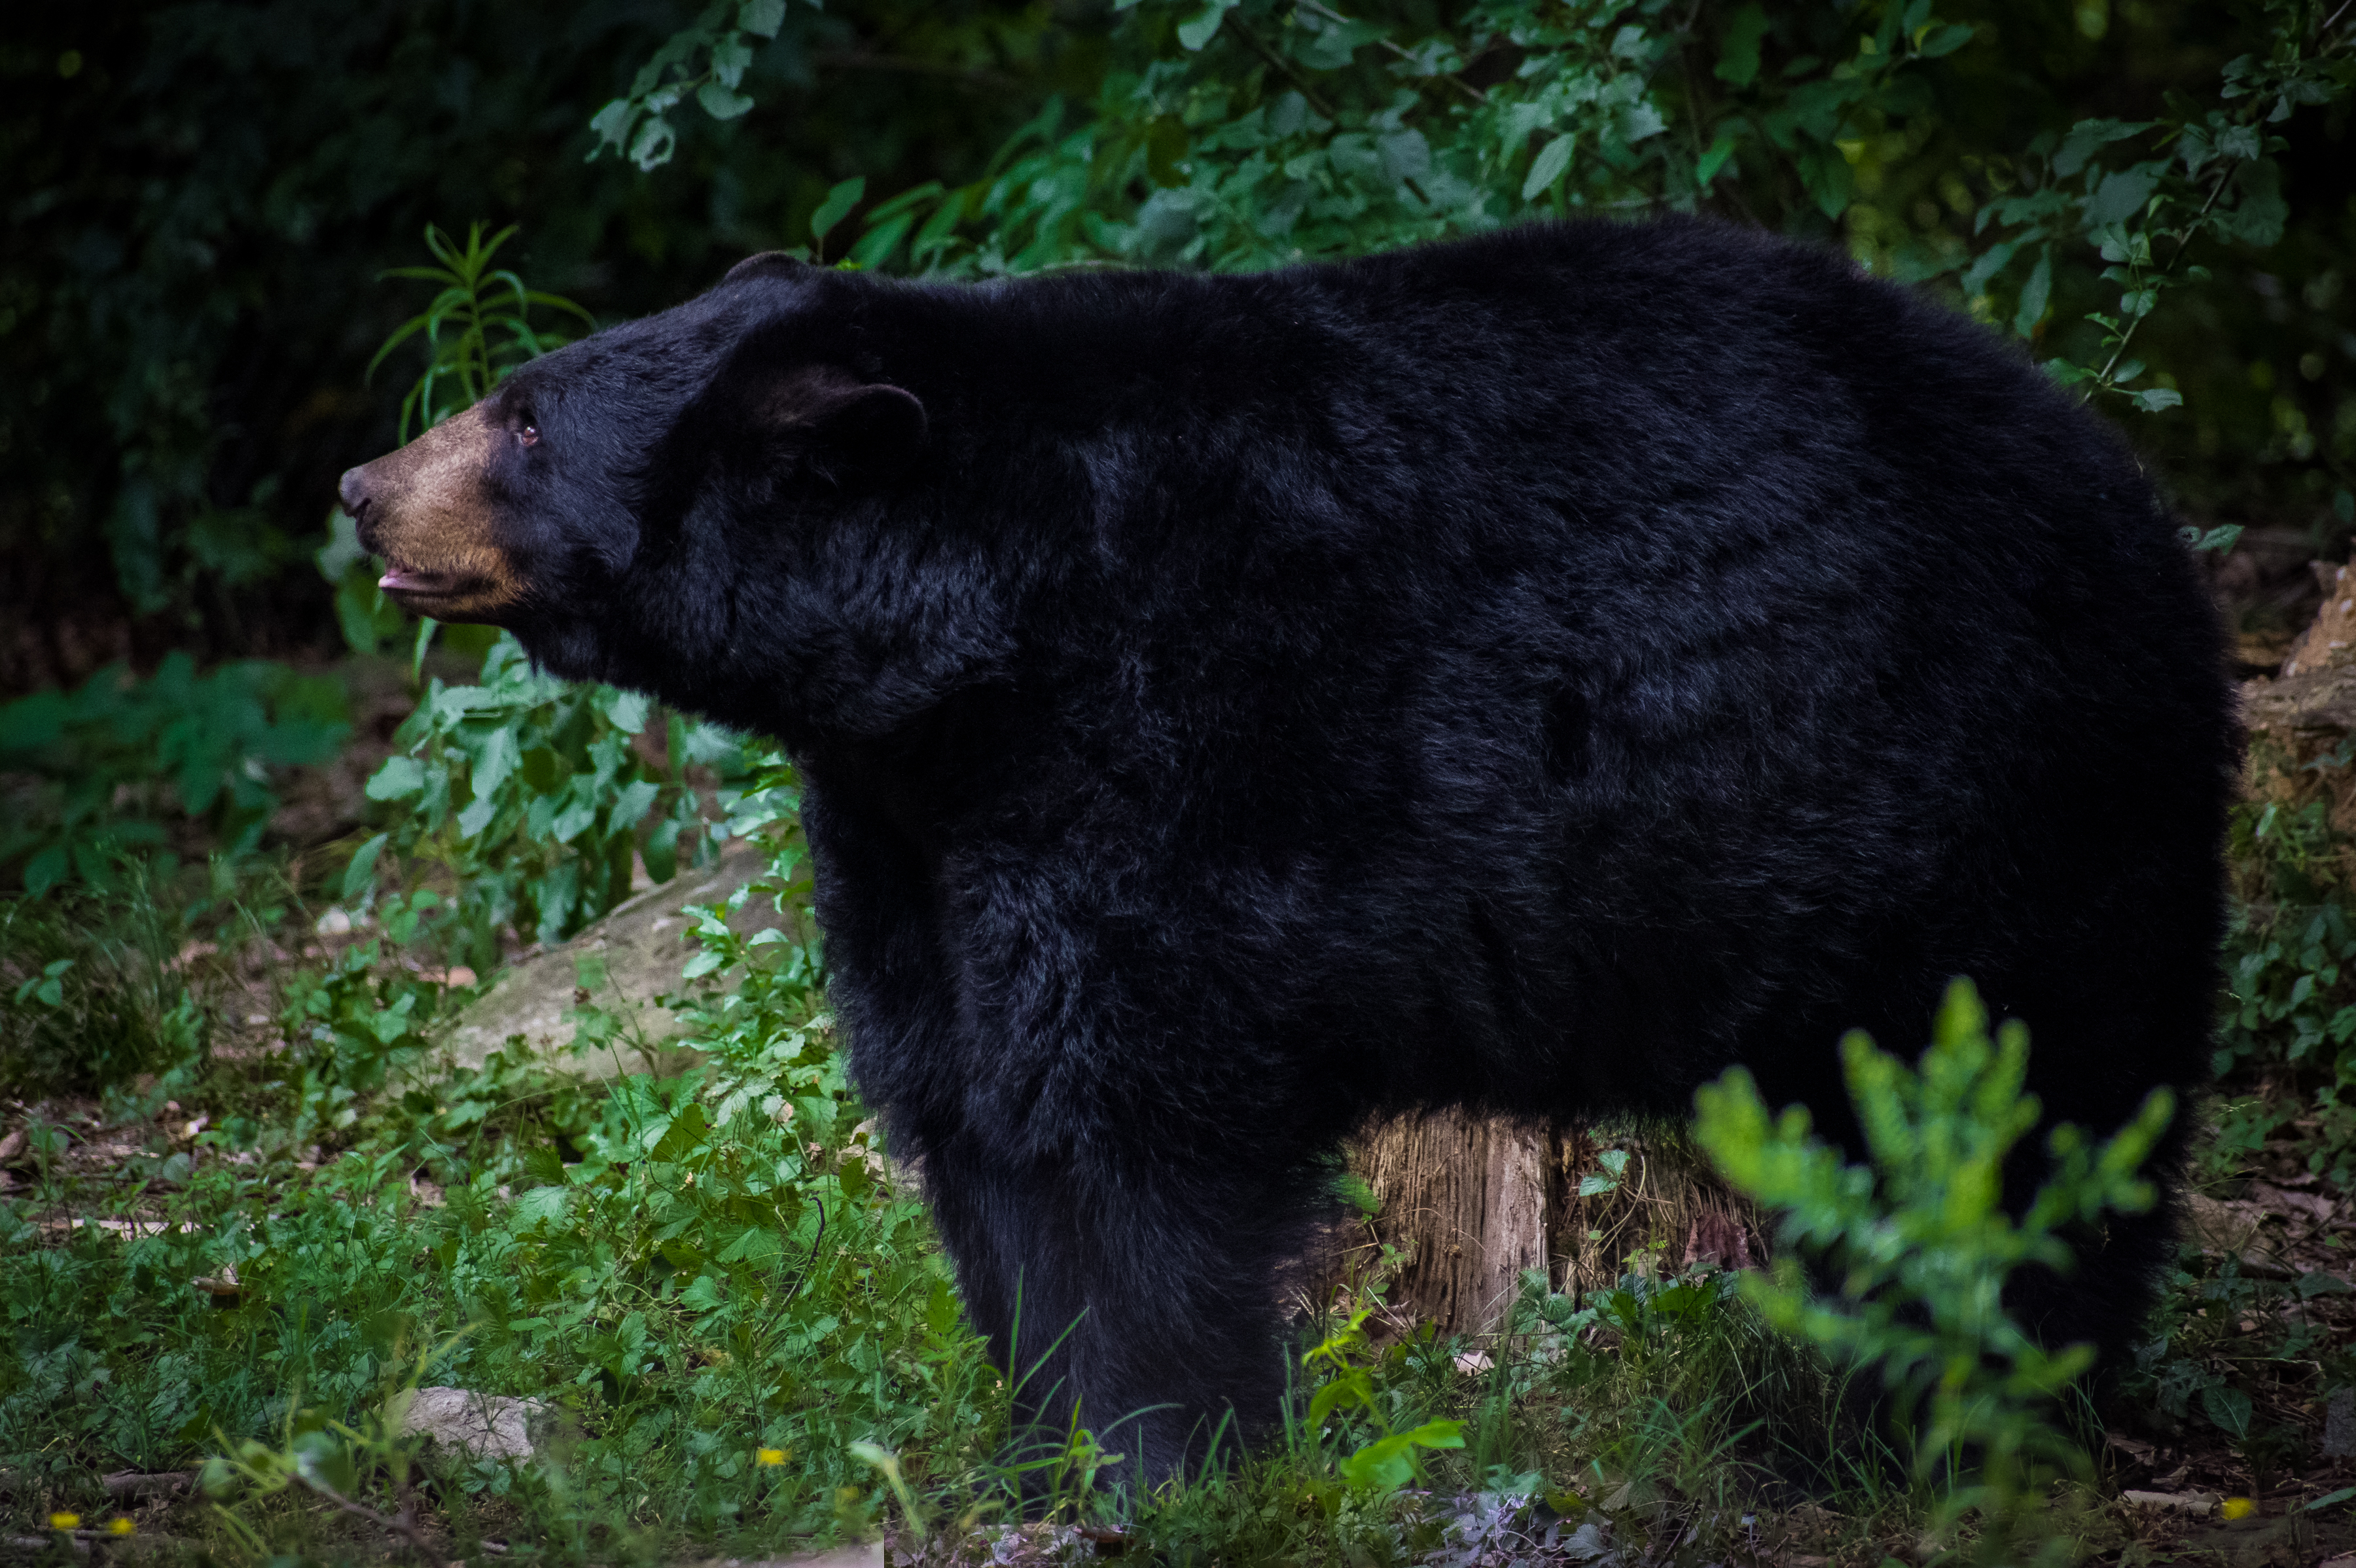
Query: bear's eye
[[528, 436]]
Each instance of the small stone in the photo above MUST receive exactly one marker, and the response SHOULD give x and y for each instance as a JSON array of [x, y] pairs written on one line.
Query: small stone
[[641, 946], [485, 1426], [2339, 1424], [867, 1556]]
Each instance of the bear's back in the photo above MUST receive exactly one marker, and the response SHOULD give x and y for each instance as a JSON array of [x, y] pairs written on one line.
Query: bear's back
[[1720, 638]]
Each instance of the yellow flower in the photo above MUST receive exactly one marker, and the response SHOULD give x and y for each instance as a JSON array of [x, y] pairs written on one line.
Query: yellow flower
[[119, 1526], [64, 1521], [770, 1455], [2239, 1507]]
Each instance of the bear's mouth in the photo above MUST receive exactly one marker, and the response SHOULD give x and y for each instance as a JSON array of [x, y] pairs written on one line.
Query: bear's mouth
[[410, 583]]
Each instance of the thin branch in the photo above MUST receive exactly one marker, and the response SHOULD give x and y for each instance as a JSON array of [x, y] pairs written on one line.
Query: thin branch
[[2183, 239], [1458, 82], [1278, 60], [403, 1523]]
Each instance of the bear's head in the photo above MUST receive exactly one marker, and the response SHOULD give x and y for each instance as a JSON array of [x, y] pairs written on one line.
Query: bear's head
[[636, 505]]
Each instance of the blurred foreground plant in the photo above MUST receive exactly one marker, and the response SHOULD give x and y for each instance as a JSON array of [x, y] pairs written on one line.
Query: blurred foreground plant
[[1923, 1246]]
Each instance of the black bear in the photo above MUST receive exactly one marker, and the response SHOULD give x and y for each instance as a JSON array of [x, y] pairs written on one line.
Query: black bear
[[1533, 672]]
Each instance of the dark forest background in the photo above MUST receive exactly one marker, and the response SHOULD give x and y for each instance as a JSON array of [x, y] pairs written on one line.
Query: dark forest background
[[200, 199]]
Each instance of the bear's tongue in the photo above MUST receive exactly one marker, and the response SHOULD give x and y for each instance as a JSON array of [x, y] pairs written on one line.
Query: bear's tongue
[[411, 579]]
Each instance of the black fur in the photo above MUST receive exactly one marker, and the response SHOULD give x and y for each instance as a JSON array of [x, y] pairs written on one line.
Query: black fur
[[1535, 673]]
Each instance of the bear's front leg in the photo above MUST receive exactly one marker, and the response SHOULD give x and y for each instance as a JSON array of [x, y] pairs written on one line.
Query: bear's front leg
[[1132, 1293]]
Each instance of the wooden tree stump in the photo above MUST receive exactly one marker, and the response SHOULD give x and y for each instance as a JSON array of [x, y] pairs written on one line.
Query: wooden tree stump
[[1474, 1197], [1472, 1202]]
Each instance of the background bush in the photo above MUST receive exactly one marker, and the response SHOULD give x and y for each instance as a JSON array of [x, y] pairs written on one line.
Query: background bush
[[202, 197]]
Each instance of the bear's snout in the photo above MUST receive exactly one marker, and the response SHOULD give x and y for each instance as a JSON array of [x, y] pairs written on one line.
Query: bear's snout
[[427, 512]]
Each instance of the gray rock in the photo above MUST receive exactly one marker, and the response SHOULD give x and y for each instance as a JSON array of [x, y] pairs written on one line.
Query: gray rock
[[623, 961], [482, 1426]]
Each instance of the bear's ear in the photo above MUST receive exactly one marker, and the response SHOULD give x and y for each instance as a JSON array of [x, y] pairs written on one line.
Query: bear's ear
[[846, 424], [765, 262]]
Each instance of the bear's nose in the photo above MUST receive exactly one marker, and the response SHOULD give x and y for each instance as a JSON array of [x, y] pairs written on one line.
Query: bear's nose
[[353, 491]]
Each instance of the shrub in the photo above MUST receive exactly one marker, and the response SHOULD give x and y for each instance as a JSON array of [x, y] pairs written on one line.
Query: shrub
[[1923, 1246]]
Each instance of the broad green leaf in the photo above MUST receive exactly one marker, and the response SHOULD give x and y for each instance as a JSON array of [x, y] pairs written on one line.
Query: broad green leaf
[[1827, 174], [396, 778], [1986, 265], [875, 246], [2087, 137], [626, 711], [541, 1205], [1639, 120], [684, 1134], [495, 762], [577, 813], [612, 125], [630, 804], [1737, 49], [2034, 294], [2229, 1408], [1720, 149], [477, 816], [1203, 24], [755, 1245], [652, 146], [721, 102], [2121, 195], [2258, 218], [837, 206], [1946, 40], [358, 875], [1547, 167]]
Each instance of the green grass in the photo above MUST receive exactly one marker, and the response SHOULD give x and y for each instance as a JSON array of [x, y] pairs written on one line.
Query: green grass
[[690, 1270], [695, 1269]]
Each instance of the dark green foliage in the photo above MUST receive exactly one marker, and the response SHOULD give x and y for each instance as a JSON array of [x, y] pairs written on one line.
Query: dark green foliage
[[477, 328], [2289, 1023], [360, 1024], [88, 995], [109, 764], [202, 199], [1241, 136], [690, 1271], [2223, 1333], [533, 797]]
